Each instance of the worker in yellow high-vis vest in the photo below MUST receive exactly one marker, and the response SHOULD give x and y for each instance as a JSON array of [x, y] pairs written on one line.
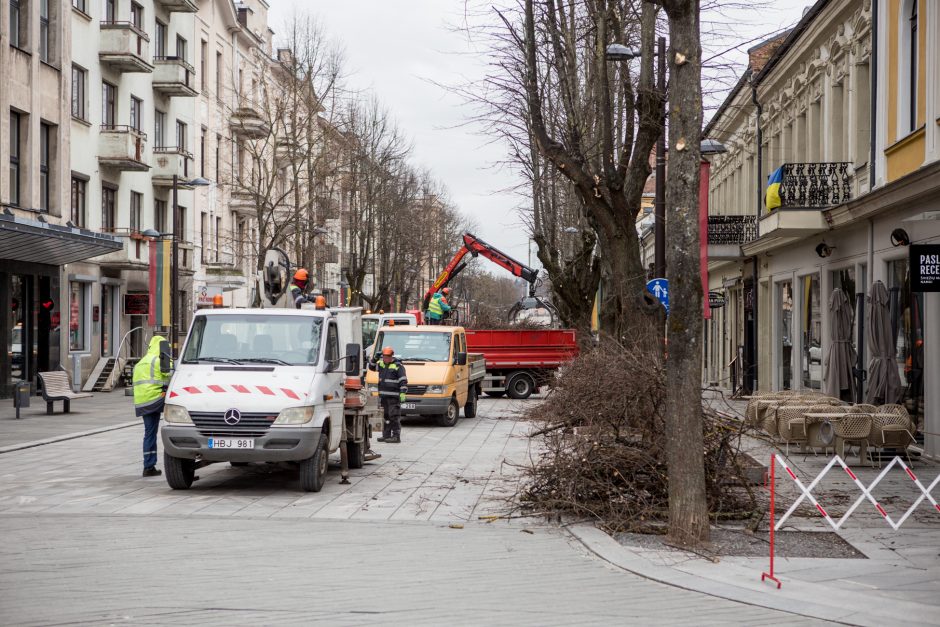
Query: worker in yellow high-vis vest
[[150, 384]]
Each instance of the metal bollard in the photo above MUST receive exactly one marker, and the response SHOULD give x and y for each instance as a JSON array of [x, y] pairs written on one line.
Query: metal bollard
[[343, 462], [20, 396]]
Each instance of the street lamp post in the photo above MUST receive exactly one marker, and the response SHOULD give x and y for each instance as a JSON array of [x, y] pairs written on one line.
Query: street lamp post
[[175, 305]]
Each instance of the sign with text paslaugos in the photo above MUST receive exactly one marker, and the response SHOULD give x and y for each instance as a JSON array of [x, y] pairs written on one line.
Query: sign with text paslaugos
[[925, 267]]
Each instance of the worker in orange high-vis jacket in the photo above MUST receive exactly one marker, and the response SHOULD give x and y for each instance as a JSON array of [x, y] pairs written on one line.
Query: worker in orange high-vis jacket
[[393, 385], [298, 287]]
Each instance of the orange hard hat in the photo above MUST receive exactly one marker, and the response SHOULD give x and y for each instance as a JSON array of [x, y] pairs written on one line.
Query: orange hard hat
[[388, 350], [301, 274], [446, 290]]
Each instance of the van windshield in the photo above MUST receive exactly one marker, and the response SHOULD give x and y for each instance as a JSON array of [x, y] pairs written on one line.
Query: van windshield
[[258, 338], [416, 345], [369, 327]]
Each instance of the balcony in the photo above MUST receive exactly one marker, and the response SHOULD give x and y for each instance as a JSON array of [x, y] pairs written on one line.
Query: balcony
[[243, 203], [805, 191], [246, 121], [122, 148], [186, 256], [178, 6], [170, 161], [224, 271], [124, 47], [134, 253], [726, 235], [172, 76]]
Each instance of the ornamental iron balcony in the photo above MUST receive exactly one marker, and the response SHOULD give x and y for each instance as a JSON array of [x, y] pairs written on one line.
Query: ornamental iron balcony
[[731, 230], [124, 47], [815, 185], [172, 76]]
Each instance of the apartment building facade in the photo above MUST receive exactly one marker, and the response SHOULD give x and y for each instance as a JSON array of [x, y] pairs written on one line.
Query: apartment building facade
[[853, 170]]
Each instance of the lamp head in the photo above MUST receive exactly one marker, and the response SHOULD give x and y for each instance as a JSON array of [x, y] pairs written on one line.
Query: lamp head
[[899, 237], [823, 249], [199, 182], [619, 52]]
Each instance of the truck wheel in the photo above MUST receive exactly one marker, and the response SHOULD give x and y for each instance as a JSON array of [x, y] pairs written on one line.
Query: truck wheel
[[470, 408], [356, 453], [313, 469], [452, 416], [521, 386], [496, 393], [179, 472]]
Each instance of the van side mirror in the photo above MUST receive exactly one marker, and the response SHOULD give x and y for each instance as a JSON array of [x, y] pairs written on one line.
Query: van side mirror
[[166, 362], [461, 359], [353, 351]]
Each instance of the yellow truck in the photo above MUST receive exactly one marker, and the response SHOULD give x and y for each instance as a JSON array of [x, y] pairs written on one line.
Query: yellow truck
[[442, 376]]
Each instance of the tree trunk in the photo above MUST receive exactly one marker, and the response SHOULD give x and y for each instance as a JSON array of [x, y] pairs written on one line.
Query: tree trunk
[[688, 509]]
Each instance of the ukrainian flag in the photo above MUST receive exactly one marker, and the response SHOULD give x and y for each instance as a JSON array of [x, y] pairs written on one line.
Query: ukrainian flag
[[159, 284], [772, 198]]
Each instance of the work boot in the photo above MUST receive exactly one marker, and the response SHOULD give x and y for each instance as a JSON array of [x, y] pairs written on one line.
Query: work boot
[[371, 455], [384, 438], [152, 472], [395, 439]]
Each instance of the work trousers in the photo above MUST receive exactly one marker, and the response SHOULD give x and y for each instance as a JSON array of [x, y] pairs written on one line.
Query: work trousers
[[391, 407], [151, 425], [433, 320]]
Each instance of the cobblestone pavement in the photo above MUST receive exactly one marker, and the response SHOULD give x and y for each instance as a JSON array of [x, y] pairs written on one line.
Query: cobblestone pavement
[[87, 541]]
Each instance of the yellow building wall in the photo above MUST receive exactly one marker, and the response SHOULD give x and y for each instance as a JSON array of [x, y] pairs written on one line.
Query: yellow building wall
[[904, 154]]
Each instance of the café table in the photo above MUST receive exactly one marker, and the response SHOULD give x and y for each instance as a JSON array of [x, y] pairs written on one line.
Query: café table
[[814, 439]]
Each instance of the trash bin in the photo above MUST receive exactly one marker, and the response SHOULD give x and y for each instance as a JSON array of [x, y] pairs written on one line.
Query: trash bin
[[21, 393]]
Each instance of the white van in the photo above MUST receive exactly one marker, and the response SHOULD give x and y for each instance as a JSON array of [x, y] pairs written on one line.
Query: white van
[[265, 385]]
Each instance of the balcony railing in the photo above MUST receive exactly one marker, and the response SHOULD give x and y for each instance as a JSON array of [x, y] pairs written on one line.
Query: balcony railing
[[815, 185], [731, 230], [172, 76], [122, 148], [124, 47]]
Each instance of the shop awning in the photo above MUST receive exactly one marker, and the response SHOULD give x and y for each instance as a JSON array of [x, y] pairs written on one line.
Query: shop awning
[[52, 244]]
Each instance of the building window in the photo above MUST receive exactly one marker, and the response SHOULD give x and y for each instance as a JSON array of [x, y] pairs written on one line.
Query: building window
[[80, 5], [137, 113], [218, 75], [203, 59], [137, 15], [218, 237], [204, 237], [17, 32], [159, 40], [108, 213], [811, 332], [79, 187], [15, 146], [110, 11], [45, 136], [218, 156], [202, 153], [159, 216], [78, 323], [78, 92], [912, 63], [108, 106], [137, 203], [159, 129], [181, 135], [44, 44], [180, 48], [182, 228]]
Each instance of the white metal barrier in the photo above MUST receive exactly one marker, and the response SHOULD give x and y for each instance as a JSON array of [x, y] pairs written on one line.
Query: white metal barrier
[[806, 493]]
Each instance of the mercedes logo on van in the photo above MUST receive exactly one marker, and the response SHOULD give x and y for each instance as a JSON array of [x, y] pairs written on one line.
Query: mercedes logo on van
[[231, 417]]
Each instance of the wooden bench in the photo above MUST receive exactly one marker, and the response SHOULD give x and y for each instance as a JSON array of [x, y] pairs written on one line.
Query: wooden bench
[[55, 387]]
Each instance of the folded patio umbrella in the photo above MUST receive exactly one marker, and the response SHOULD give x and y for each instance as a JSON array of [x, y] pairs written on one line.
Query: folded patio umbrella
[[884, 382], [841, 355]]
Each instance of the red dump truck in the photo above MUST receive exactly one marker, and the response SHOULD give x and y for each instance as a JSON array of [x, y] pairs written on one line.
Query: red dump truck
[[519, 362]]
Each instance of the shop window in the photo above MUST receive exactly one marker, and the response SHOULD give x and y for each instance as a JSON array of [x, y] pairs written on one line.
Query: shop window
[[906, 310], [78, 316], [811, 328]]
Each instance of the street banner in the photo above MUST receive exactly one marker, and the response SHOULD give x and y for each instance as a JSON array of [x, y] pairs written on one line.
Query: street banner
[[160, 290]]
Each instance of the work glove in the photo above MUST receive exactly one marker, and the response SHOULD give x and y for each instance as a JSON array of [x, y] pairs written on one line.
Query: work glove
[[401, 397]]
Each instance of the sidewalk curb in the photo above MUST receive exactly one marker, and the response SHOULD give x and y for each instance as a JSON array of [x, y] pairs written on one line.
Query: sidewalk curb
[[68, 436], [862, 610]]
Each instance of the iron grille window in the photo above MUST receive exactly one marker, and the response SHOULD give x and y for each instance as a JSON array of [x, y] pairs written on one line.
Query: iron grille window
[[79, 188]]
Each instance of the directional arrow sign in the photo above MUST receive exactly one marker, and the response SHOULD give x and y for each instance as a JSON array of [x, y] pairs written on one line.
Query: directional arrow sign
[[660, 289]]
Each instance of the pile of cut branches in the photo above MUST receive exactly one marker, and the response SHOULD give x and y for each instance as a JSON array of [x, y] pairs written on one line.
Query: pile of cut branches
[[489, 319], [601, 447]]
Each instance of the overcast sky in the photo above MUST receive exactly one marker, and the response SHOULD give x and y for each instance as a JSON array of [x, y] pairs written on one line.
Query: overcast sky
[[400, 48]]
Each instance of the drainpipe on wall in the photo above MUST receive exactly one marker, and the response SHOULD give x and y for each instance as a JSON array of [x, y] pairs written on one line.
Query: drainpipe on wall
[[756, 269]]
